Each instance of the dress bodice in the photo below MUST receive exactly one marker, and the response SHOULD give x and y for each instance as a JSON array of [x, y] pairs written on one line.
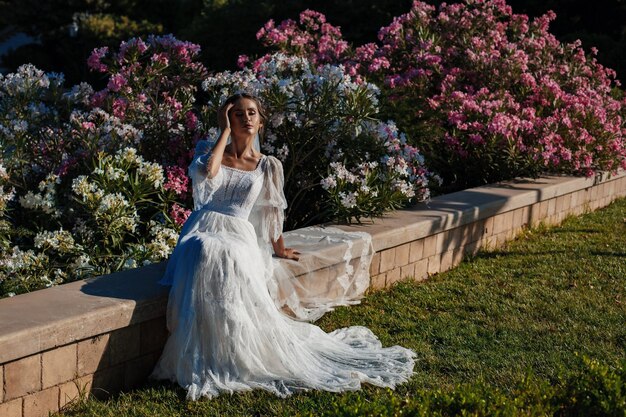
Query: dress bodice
[[235, 190], [256, 196]]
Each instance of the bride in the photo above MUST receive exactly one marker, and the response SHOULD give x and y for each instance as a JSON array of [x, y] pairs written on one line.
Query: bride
[[226, 332]]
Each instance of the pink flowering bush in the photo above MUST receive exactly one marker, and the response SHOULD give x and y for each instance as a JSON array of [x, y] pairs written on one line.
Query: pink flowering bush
[[313, 38], [339, 161], [152, 85], [486, 93]]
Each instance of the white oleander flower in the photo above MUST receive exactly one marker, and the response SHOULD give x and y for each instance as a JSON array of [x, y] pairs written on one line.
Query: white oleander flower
[[80, 93], [153, 172], [405, 188], [82, 186], [342, 173], [348, 200], [130, 264], [163, 242], [82, 261], [60, 240], [129, 156], [24, 79], [5, 197], [128, 223], [277, 119], [283, 152], [328, 182], [112, 202], [113, 173], [19, 261], [45, 202]]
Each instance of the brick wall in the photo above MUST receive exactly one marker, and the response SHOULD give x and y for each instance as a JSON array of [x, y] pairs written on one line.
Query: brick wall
[[103, 335]]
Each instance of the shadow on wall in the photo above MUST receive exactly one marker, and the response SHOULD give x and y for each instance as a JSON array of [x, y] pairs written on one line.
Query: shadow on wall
[[124, 358]]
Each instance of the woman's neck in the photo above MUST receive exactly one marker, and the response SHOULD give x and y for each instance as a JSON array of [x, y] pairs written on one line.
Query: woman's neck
[[241, 148]]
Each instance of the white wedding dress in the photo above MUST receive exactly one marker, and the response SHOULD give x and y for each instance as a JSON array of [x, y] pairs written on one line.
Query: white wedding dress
[[227, 330]]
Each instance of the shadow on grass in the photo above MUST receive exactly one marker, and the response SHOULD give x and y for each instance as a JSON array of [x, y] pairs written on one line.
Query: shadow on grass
[[613, 254], [501, 254], [562, 229]]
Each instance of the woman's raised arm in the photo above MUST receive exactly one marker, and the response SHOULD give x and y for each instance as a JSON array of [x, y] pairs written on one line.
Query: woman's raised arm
[[215, 161]]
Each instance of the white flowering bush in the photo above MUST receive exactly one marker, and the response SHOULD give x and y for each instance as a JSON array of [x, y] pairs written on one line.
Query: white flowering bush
[[122, 211], [31, 110], [76, 199], [116, 216], [7, 194], [321, 118], [372, 187]]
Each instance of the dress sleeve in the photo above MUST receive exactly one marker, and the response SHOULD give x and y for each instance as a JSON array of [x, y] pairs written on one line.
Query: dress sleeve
[[269, 210], [203, 186]]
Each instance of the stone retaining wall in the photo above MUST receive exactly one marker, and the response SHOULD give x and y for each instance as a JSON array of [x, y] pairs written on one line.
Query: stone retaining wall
[[103, 335]]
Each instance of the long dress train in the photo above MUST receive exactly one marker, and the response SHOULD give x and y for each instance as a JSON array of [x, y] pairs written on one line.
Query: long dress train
[[226, 332]]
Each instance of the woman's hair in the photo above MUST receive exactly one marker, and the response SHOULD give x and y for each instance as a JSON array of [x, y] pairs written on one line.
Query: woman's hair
[[262, 112]]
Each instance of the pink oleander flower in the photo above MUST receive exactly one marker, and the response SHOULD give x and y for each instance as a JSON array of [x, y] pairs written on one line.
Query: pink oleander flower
[[191, 121], [98, 98], [242, 61], [119, 107], [66, 165], [88, 125], [116, 82], [179, 214], [177, 180], [94, 62], [160, 58], [134, 44]]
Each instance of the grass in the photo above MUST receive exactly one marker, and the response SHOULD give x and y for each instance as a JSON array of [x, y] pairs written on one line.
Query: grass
[[533, 307]]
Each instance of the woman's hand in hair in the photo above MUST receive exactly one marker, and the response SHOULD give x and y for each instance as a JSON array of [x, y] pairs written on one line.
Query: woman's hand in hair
[[223, 119]]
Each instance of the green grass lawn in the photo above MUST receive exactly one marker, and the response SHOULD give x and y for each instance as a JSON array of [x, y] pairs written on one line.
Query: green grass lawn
[[534, 307]]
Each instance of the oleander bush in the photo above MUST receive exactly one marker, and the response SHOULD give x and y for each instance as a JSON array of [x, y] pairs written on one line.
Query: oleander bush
[[77, 198], [340, 162], [92, 182], [484, 93]]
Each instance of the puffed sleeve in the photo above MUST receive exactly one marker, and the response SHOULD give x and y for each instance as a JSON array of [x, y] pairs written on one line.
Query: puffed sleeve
[[268, 214], [203, 186]]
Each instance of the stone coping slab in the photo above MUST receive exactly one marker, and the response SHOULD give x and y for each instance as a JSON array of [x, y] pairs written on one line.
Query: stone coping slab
[[45, 319], [457, 209]]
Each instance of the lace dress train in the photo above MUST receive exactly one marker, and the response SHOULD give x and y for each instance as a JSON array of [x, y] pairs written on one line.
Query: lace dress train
[[226, 332]]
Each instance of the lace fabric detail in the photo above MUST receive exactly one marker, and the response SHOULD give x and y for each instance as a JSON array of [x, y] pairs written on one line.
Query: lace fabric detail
[[232, 191]]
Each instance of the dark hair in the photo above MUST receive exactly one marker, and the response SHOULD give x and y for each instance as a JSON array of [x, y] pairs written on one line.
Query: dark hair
[[262, 112]]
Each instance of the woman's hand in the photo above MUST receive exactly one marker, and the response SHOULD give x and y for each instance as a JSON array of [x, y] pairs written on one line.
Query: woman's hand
[[222, 116], [289, 253], [282, 252]]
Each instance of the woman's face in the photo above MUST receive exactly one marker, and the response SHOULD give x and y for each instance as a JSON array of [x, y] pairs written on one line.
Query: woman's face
[[244, 117]]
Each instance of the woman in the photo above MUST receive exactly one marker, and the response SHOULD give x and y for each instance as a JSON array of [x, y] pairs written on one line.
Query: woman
[[226, 333]]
